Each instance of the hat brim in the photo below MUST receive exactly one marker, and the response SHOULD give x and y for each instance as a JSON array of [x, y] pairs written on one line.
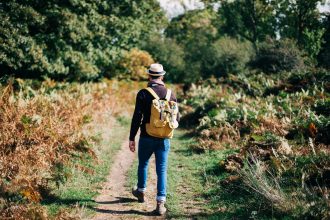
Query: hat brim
[[156, 74]]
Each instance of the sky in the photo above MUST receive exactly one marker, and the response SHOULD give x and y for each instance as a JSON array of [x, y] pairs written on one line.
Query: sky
[[174, 8], [325, 7]]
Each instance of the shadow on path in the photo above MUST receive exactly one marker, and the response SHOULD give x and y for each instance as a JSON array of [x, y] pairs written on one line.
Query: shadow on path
[[121, 200], [126, 212], [60, 201], [118, 201]]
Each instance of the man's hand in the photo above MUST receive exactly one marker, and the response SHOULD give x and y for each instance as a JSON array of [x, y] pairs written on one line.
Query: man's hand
[[132, 146]]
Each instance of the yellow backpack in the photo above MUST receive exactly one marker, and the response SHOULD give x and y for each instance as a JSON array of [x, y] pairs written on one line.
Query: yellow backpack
[[163, 117]]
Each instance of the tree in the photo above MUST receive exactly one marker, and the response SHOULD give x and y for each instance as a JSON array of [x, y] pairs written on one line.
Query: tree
[[194, 31], [324, 56], [184, 28], [300, 20], [250, 19], [169, 53], [72, 39], [254, 20]]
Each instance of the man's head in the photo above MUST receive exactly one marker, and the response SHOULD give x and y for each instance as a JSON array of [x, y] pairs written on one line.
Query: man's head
[[156, 71], [156, 77]]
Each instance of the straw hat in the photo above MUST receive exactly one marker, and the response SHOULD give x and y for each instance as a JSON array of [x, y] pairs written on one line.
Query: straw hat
[[156, 69]]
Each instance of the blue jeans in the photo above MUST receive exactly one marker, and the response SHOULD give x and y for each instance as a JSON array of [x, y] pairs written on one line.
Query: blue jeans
[[148, 146]]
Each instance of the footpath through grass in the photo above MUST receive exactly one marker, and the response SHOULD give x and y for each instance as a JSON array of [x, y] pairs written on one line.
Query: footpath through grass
[[87, 175], [193, 182], [197, 185]]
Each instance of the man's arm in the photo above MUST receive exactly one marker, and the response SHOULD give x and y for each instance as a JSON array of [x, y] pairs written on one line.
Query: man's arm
[[137, 116], [136, 120]]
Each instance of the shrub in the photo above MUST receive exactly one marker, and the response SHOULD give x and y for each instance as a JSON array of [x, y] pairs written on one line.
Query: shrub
[[47, 130], [324, 57], [44, 131], [272, 133], [322, 107], [298, 81], [276, 56], [228, 55], [134, 64]]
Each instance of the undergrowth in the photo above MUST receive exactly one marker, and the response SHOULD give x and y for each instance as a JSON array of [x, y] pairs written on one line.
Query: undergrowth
[[43, 135], [279, 127]]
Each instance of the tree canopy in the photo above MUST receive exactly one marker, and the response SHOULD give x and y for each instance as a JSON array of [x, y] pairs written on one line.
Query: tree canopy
[[87, 40], [72, 39]]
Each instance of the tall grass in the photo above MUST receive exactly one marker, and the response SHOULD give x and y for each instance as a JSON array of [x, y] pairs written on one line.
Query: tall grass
[[256, 176], [299, 202], [41, 130]]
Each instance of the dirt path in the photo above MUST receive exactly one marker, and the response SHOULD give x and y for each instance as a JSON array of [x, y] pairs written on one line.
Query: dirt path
[[115, 200]]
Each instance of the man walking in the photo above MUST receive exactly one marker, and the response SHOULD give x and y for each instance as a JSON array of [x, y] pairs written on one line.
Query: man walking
[[148, 143]]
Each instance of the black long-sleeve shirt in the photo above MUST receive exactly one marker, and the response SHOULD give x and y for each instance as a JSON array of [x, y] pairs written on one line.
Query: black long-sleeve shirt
[[142, 110]]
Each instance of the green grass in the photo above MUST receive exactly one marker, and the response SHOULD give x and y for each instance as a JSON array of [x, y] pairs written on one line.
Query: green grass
[[82, 187], [199, 181], [205, 179], [190, 176], [132, 175]]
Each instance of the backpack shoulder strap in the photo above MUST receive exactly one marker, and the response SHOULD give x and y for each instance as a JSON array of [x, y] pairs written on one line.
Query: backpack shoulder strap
[[152, 92], [168, 95]]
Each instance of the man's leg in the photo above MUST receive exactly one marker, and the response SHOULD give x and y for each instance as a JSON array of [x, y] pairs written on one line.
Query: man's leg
[[144, 153], [161, 154]]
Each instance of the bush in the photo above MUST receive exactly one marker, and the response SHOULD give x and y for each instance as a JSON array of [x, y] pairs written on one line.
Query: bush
[[134, 64], [324, 57], [228, 55], [276, 56], [47, 135], [47, 130]]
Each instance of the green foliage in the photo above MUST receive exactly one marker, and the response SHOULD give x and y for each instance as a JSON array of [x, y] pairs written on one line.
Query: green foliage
[[228, 55], [313, 42], [322, 107], [194, 32], [255, 20], [75, 40], [283, 139], [169, 53], [205, 54], [250, 19], [197, 23], [324, 55], [276, 56], [302, 22], [300, 17]]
